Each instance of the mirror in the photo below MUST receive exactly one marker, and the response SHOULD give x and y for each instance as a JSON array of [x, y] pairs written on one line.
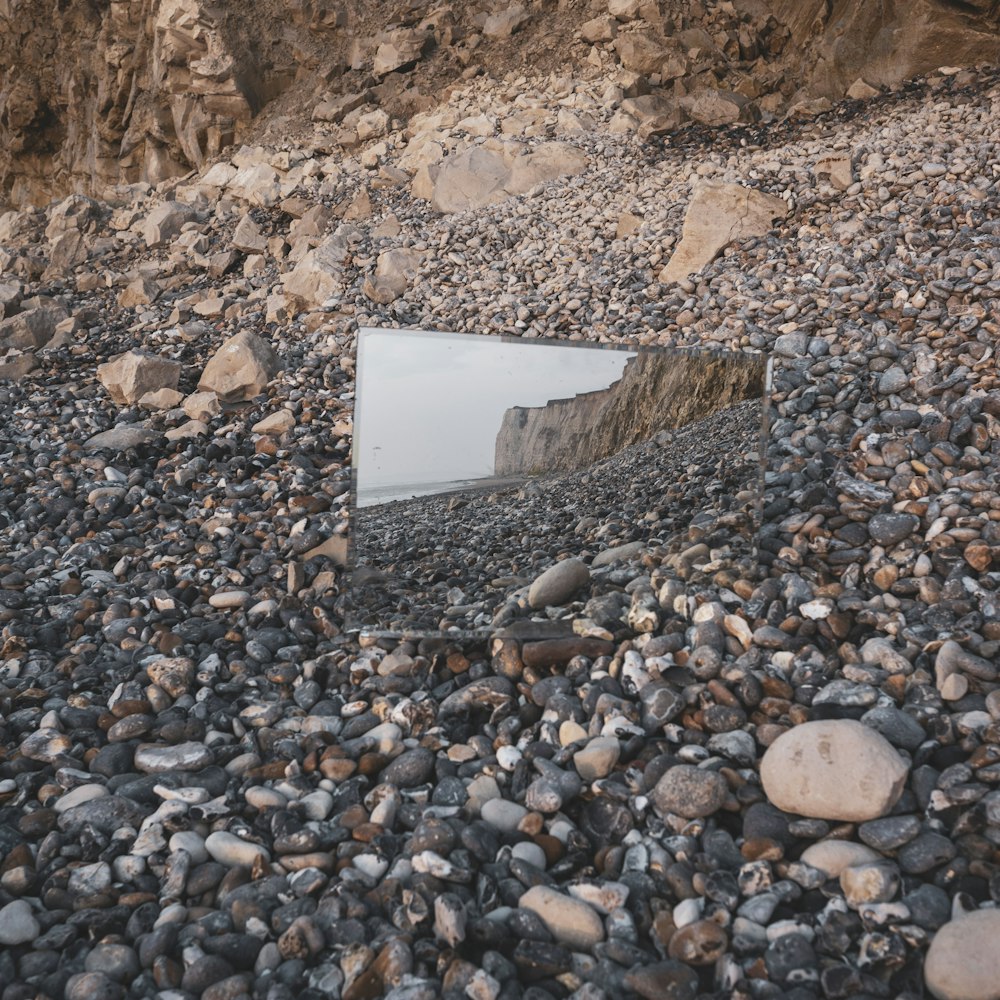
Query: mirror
[[545, 487]]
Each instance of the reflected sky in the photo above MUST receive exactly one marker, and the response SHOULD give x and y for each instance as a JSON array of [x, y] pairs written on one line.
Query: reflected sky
[[429, 405]]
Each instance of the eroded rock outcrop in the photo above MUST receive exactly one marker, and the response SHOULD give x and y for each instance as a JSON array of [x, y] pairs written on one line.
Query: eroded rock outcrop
[[656, 392]]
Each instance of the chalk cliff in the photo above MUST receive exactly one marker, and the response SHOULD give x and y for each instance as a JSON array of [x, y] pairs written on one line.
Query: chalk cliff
[[656, 392]]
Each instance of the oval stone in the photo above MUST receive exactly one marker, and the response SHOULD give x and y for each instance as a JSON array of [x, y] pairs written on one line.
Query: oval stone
[[963, 962], [833, 769], [558, 583]]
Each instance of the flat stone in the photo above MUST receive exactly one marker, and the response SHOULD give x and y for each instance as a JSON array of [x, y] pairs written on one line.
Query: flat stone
[[838, 769], [598, 758]]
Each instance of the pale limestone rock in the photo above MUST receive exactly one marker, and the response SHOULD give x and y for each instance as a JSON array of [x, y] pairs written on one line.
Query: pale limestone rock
[[545, 163], [202, 406], [717, 107], [570, 921], [241, 368], [399, 48], [131, 375], [832, 856], [247, 237], [75, 212], [837, 769], [506, 22], [319, 275], [861, 91], [627, 225], [625, 10], [641, 52], [31, 329], [837, 168], [258, 184], [121, 438], [394, 271], [160, 399], [165, 222], [720, 214], [598, 758], [373, 125], [275, 423], [469, 179], [140, 292], [963, 961]]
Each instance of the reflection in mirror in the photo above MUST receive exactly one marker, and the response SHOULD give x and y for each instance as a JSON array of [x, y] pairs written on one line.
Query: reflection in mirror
[[500, 481]]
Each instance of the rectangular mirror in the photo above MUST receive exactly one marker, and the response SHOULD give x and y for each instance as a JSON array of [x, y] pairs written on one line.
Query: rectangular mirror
[[500, 482]]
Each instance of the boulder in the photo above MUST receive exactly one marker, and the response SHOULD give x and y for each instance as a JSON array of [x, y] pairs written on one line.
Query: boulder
[[558, 583], [165, 222], [399, 48], [836, 769], [963, 961], [720, 214], [836, 168], [121, 438], [131, 375], [393, 273], [641, 52], [31, 329], [717, 107], [258, 184], [545, 163], [240, 369], [506, 22], [141, 292], [469, 179], [247, 237], [319, 275]]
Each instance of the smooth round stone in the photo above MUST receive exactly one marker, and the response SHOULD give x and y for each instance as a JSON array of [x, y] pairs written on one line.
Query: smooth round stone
[[230, 850], [503, 814], [532, 853], [189, 756], [598, 758], [265, 798], [700, 943], [116, 961], [889, 833], [689, 791], [17, 923], [833, 769], [570, 921], [410, 768], [832, 856], [193, 843], [558, 583], [963, 961], [229, 599]]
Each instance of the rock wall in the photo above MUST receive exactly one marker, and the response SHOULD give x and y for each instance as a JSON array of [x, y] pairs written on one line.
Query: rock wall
[[99, 92], [656, 392]]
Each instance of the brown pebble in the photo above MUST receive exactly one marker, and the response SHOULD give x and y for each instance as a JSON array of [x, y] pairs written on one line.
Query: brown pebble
[[700, 943]]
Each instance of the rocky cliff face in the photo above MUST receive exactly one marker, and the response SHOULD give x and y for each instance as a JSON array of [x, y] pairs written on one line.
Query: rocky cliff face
[[656, 392], [95, 93]]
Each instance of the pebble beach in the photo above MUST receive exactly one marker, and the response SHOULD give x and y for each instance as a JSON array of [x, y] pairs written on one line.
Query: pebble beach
[[686, 769]]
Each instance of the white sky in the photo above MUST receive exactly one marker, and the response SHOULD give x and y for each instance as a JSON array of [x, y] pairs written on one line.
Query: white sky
[[429, 405]]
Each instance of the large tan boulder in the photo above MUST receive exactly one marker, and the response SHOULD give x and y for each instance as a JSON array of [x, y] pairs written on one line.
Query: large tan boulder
[[545, 163], [963, 961], [131, 375], [504, 23], [720, 214], [240, 369], [835, 769]]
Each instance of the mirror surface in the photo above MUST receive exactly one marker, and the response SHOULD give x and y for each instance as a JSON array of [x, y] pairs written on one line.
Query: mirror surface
[[482, 464]]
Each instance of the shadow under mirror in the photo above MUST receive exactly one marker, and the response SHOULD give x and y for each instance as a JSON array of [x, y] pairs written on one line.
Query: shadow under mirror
[[545, 487]]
